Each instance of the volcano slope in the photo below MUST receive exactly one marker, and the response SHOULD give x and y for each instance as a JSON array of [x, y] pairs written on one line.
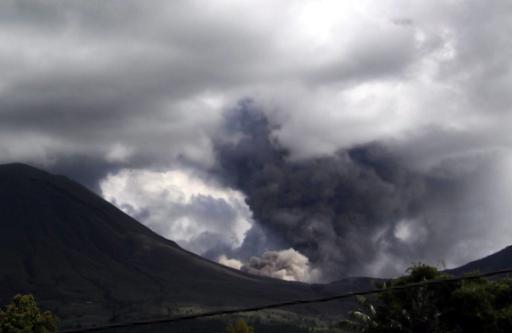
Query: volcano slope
[[501, 260], [90, 263]]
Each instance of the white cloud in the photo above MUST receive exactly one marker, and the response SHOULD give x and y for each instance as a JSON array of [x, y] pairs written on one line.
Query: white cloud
[[233, 263], [180, 206]]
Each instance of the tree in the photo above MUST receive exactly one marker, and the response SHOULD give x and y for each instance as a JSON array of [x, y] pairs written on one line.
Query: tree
[[362, 319], [239, 326], [23, 315], [476, 305]]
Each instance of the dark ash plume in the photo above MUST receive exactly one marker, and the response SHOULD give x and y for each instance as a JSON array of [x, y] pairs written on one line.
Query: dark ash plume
[[360, 211]]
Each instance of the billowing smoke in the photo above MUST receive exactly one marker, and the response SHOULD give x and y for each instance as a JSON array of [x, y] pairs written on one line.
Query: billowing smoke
[[359, 211], [289, 265]]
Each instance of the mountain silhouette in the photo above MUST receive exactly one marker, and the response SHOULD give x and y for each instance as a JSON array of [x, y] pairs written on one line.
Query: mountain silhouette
[[91, 263], [501, 260]]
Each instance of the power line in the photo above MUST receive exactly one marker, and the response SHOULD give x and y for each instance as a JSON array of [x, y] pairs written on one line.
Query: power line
[[284, 304]]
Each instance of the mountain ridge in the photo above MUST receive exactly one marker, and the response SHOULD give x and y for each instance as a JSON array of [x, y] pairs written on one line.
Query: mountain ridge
[[88, 261], [497, 261]]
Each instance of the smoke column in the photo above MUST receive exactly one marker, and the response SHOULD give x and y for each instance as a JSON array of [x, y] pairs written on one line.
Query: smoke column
[[359, 211]]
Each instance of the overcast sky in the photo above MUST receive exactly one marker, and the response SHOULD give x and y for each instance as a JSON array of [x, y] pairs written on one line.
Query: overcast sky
[[207, 120]]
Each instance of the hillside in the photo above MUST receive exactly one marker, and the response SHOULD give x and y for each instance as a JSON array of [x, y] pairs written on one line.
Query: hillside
[[91, 263], [500, 260]]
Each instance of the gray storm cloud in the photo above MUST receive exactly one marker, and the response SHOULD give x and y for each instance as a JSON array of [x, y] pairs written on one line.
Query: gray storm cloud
[[144, 84], [376, 130]]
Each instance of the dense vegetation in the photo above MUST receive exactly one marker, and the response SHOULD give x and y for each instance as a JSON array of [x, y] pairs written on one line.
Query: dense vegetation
[[22, 315], [476, 305], [473, 305]]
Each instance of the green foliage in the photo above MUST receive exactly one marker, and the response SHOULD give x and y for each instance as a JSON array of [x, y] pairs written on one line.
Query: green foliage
[[239, 326], [362, 319], [476, 305], [22, 315]]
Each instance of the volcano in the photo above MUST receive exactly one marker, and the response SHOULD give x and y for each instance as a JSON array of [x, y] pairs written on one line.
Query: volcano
[[89, 262], [92, 264]]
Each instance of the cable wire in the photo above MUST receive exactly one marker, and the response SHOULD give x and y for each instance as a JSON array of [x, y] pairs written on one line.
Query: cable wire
[[284, 304]]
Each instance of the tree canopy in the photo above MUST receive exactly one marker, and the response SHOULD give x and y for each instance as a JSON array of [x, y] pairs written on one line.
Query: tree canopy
[[23, 315], [476, 305]]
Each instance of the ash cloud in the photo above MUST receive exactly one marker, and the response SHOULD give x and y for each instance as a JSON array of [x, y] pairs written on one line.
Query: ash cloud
[[287, 265], [359, 211]]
